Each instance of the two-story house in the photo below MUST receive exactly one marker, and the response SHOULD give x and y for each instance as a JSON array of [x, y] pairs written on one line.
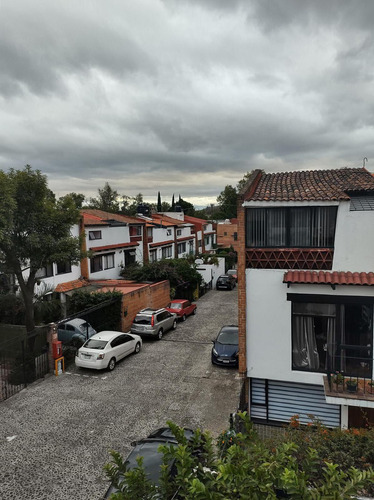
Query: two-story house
[[113, 241], [169, 236], [306, 295], [205, 234]]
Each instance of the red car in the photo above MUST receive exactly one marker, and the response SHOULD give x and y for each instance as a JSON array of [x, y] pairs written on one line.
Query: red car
[[182, 308]]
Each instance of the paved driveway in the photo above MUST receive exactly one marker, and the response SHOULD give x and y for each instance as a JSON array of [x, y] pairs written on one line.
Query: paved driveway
[[55, 435]]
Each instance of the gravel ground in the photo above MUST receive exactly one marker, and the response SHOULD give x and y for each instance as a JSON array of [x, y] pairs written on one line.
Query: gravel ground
[[55, 435]]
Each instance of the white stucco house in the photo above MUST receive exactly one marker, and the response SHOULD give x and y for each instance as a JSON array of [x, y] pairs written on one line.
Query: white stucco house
[[306, 295], [113, 241]]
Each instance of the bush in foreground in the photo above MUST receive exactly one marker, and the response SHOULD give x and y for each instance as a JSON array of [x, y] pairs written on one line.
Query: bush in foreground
[[243, 467]]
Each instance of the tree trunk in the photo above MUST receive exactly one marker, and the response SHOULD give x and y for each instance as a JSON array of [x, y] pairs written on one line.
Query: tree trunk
[[27, 290]]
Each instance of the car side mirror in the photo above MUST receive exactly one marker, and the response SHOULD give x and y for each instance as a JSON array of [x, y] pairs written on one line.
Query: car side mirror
[[133, 443]]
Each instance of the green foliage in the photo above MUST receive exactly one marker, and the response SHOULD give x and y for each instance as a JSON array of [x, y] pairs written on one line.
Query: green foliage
[[77, 198], [227, 201], [248, 469], [12, 309], [187, 207], [177, 271], [36, 230], [81, 300], [108, 200]]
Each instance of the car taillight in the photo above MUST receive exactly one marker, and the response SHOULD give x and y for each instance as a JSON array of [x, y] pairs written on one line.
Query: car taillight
[[101, 356], [153, 321]]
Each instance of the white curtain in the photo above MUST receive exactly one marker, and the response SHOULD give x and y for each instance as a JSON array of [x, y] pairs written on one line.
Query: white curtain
[[304, 350]]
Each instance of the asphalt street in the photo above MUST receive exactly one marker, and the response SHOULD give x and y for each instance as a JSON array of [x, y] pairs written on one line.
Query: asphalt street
[[55, 435]]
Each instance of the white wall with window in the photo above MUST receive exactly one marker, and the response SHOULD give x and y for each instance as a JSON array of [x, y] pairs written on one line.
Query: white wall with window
[[277, 327], [100, 235], [106, 265], [55, 273]]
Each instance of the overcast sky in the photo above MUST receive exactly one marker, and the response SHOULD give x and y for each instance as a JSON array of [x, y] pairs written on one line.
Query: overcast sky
[[183, 97]]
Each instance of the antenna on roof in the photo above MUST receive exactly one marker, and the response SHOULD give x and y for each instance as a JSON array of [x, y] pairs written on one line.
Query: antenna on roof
[[364, 161]]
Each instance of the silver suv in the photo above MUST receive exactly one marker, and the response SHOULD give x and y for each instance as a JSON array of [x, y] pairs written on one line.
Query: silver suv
[[154, 322]]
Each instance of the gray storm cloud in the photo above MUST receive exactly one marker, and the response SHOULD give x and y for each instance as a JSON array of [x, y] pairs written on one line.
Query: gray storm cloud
[[183, 96]]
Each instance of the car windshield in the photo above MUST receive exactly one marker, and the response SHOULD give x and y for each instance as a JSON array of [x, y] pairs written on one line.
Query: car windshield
[[95, 344], [223, 279], [228, 336], [232, 272], [176, 305], [142, 320]]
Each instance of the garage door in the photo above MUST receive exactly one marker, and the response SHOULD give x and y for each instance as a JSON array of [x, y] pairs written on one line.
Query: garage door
[[277, 401]]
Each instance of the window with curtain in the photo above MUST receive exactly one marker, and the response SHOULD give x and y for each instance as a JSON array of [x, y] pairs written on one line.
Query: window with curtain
[[291, 227], [331, 337]]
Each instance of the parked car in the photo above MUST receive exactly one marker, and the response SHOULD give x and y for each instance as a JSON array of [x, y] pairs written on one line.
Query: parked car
[[182, 308], [148, 448], [75, 332], [154, 322], [233, 273], [226, 346], [105, 349], [225, 281]]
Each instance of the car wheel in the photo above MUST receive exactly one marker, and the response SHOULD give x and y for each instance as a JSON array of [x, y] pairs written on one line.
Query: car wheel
[[184, 317], [112, 364], [137, 348], [160, 334], [174, 324], [194, 311]]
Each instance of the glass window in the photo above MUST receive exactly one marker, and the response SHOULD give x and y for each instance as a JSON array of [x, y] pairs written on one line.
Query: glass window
[[94, 235], [291, 227], [331, 337], [63, 267], [153, 255], [166, 252], [108, 261], [96, 263]]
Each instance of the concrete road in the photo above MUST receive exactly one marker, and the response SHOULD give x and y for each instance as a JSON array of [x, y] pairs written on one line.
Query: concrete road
[[55, 435]]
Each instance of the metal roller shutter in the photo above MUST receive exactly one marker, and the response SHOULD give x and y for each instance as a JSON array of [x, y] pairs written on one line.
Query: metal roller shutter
[[281, 400]]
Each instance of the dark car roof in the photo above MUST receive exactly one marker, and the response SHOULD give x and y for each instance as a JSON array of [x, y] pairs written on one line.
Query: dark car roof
[[148, 449]]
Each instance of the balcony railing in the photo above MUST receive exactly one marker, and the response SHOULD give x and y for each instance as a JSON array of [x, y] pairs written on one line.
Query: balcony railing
[[355, 381]]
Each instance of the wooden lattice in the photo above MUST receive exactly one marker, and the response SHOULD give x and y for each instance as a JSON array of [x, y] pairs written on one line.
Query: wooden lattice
[[289, 258]]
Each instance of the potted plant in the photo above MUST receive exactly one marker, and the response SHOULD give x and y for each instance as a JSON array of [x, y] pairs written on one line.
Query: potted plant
[[351, 385], [338, 378]]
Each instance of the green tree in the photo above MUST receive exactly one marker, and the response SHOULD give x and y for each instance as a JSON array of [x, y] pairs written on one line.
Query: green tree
[[35, 232], [186, 206], [159, 204], [77, 198], [108, 200], [177, 271], [131, 207], [227, 200]]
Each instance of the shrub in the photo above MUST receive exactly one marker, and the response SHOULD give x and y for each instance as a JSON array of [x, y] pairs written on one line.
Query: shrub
[[248, 468]]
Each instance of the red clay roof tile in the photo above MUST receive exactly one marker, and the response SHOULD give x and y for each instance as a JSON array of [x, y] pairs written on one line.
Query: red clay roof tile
[[328, 278], [312, 185]]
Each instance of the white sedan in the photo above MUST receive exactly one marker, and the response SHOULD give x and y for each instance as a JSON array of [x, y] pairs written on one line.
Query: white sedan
[[104, 349]]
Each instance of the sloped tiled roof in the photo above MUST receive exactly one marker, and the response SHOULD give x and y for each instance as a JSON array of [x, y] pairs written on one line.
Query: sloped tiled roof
[[71, 285], [113, 247], [312, 185], [328, 278], [166, 220], [93, 216]]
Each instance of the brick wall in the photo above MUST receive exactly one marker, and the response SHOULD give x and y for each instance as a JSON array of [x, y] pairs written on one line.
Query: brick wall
[[154, 296], [227, 240]]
